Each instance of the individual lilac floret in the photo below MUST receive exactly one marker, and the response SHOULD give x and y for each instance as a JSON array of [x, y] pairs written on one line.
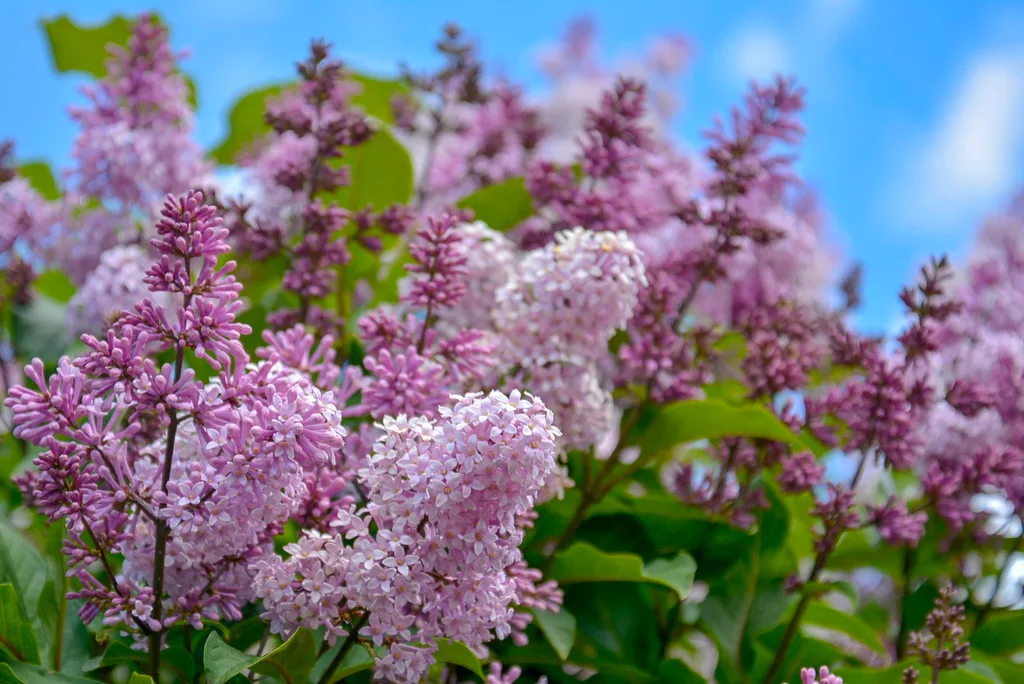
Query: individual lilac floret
[[570, 297]]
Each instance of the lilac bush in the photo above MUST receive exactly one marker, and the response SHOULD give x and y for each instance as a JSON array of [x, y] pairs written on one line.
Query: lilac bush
[[465, 385]]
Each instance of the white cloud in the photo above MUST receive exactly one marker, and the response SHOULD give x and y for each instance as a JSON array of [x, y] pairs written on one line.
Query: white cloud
[[756, 52], [971, 159], [829, 17]]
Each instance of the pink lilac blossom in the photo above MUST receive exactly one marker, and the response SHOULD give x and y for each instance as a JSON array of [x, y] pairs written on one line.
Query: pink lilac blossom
[[135, 142], [116, 284], [443, 498], [573, 392], [490, 262], [570, 297], [193, 505], [822, 676], [26, 220]]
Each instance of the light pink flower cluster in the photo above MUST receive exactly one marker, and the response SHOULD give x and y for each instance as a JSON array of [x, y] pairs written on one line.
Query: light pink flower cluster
[[556, 316], [115, 285], [569, 298], [437, 537]]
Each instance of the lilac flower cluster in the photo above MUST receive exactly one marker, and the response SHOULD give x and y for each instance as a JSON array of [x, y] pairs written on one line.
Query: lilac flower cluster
[[147, 462], [297, 168], [435, 550], [135, 143]]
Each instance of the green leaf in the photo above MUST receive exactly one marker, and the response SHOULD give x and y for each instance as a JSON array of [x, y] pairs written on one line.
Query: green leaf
[[583, 562], [359, 659], [852, 626], [558, 628], [7, 675], [677, 672], [83, 48], [1008, 670], [894, 675], [138, 678], [689, 421], [39, 329], [34, 674], [41, 178], [457, 653], [295, 658], [245, 123], [375, 96], [382, 174], [612, 670], [856, 550], [117, 653], [55, 285], [17, 637], [1001, 634], [244, 634], [726, 610], [823, 588], [501, 206], [23, 568]]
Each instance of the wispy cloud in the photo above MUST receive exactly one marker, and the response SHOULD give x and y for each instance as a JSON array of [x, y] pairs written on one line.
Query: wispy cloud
[[828, 18], [757, 52], [971, 158]]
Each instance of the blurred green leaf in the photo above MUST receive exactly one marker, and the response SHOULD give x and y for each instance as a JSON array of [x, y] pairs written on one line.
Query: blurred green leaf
[[457, 653], [55, 285], [558, 628], [83, 48], [245, 123], [376, 94], [17, 638], [139, 678], [894, 675], [501, 206], [677, 672], [39, 329], [34, 674], [725, 611], [41, 178], [583, 562], [7, 675], [382, 174], [823, 588], [689, 421], [359, 659], [1001, 634], [852, 626], [22, 566]]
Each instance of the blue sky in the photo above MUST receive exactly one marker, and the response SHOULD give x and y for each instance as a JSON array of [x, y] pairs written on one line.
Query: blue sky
[[915, 112]]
